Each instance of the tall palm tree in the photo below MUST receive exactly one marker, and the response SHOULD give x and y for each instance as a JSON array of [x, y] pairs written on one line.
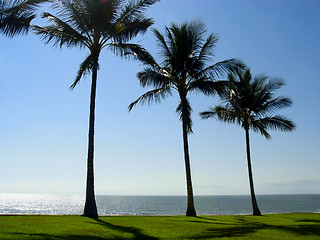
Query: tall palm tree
[[185, 54], [248, 102], [95, 25], [16, 15]]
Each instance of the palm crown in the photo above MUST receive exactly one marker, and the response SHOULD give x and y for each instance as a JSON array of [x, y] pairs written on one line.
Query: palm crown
[[248, 102], [95, 24], [185, 57]]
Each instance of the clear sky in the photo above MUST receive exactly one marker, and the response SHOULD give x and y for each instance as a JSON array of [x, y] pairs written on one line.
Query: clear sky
[[44, 125]]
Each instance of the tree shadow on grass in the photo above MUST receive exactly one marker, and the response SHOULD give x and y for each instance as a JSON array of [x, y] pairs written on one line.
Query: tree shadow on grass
[[208, 220], [309, 221], [41, 236], [241, 228], [304, 229], [239, 219], [136, 232], [233, 232], [223, 228]]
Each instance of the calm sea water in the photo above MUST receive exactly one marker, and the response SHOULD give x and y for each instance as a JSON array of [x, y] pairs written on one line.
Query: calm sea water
[[156, 205]]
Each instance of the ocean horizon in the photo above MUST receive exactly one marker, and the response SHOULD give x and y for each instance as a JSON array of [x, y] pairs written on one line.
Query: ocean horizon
[[116, 205]]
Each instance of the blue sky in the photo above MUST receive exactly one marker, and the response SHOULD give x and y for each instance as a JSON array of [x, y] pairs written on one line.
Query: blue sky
[[44, 125]]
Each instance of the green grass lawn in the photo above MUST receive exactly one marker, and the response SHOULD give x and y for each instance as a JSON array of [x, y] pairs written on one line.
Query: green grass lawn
[[272, 226]]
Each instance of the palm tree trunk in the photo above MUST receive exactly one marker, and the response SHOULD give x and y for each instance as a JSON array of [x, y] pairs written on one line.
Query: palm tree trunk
[[90, 208], [190, 207], [256, 211]]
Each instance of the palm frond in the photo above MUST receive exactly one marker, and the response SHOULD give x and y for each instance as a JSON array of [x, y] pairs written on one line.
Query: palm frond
[[162, 44], [8, 6], [60, 33], [277, 122], [16, 16], [208, 87], [154, 95], [14, 25], [184, 111], [222, 113], [134, 8], [274, 84], [84, 69], [257, 85], [77, 14], [257, 126], [273, 105], [196, 30], [218, 69], [124, 19], [133, 51], [129, 29], [211, 113], [207, 49], [150, 77]]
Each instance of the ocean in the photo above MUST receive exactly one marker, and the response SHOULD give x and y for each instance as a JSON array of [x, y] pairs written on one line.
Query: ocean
[[156, 205]]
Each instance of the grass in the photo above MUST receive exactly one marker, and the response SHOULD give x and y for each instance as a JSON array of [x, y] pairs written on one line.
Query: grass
[[271, 226]]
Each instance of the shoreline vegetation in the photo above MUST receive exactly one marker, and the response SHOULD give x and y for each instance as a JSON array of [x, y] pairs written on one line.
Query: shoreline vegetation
[[269, 226]]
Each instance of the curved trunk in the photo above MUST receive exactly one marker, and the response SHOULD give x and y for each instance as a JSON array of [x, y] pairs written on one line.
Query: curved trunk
[[256, 211], [190, 205], [90, 208]]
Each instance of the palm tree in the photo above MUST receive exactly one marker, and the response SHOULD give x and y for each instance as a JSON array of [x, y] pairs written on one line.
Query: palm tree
[[95, 25], [16, 15], [248, 102], [185, 54]]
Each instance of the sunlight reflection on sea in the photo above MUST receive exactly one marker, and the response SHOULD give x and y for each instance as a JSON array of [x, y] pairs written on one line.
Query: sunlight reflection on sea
[[40, 204], [155, 205]]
